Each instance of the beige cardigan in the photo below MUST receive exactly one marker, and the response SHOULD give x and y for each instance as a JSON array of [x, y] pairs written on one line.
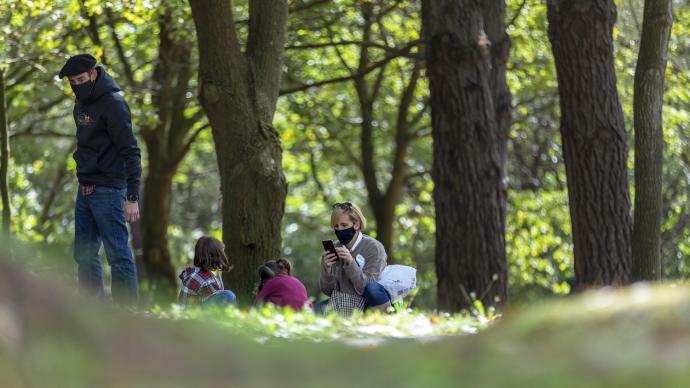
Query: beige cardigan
[[353, 278]]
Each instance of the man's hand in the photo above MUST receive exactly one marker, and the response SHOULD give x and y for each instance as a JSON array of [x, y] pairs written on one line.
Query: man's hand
[[131, 211]]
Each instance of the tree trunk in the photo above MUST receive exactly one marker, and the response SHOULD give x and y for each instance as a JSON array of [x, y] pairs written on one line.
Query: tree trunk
[[239, 92], [649, 138], [167, 143], [4, 158], [467, 169], [494, 21], [138, 240], [594, 139], [154, 228], [383, 203]]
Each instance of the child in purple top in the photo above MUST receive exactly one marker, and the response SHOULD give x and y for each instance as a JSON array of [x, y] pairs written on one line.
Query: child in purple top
[[279, 287]]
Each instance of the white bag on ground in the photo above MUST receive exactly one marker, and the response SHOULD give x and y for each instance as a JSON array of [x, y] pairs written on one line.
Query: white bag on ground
[[398, 280]]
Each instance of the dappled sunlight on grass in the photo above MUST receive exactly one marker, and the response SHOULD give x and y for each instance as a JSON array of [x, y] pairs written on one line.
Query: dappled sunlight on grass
[[270, 323]]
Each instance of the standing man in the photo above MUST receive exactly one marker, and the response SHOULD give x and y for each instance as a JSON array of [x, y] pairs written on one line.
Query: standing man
[[108, 169]]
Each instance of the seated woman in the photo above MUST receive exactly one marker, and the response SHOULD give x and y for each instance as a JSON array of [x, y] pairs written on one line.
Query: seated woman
[[279, 287], [357, 263]]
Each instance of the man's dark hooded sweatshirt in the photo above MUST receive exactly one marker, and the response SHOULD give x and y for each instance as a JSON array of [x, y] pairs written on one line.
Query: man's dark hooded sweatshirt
[[107, 151]]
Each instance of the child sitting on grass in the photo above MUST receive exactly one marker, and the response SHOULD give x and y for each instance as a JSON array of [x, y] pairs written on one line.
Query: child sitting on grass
[[279, 287], [199, 284]]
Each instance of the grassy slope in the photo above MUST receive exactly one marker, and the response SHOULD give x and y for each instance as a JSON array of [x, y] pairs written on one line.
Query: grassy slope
[[635, 337]]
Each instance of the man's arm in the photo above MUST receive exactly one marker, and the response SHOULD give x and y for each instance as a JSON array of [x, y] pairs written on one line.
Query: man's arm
[[119, 126]]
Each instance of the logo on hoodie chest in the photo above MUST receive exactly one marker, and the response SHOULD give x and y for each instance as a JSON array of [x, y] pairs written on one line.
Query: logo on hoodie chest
[[83, 120]]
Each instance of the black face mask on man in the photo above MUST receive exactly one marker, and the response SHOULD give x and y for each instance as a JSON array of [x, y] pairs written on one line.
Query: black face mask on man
[[345, 235], [83, 91]]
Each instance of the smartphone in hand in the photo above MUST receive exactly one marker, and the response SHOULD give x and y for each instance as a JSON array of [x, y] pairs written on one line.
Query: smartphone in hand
[[328, 246]]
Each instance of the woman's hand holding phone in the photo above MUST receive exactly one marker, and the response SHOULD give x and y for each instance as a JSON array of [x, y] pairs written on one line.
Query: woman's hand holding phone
[[328, 259], [330, 256]]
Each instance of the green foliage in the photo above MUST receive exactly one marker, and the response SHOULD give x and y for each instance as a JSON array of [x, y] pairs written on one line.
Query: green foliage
[[540, 251]]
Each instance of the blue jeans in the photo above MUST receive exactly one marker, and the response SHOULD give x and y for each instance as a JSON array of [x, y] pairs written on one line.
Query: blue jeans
[[100, 218], [374, 293], [222, 298]]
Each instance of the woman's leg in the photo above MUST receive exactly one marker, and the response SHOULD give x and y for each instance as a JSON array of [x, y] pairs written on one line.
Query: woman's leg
[[319, 307], [377, 297], [223, 298]]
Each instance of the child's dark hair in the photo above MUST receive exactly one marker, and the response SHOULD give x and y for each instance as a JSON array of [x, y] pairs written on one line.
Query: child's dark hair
[[209, 254], [271, 268]]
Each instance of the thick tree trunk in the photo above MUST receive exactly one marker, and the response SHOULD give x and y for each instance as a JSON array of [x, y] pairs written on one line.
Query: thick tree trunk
[[467, 170], [4, 158], [239, 92], [594, 139], [649, 139]]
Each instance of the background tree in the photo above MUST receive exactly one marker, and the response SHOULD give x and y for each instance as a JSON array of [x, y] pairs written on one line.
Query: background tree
[[168, 140], [650, 73], [239, 91], [4, 157], [356, 127], [468, 170], [388, 108], [383, 202], [594, 139]]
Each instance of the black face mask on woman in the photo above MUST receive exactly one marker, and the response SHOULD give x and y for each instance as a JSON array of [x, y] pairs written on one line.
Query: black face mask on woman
[[345, 235], [83, 91]]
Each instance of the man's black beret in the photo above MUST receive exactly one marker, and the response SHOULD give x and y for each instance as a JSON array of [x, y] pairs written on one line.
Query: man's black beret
[[77, 64]]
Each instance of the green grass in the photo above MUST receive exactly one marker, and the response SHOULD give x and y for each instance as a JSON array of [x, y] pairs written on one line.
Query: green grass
[[269, 323]]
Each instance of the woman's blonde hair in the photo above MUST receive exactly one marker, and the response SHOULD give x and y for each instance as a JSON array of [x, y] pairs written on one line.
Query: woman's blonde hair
[[351, 210]]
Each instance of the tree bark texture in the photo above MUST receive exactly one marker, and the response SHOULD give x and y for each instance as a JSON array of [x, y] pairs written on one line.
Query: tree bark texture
[[239, 91], [467, 165], [594, 139], [494, 13], [649, 138]]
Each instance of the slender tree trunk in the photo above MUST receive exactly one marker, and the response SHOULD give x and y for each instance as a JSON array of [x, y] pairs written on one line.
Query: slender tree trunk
[[138, 240], [382, 202], [167, 143], [4, 158], [239, 92], [467, 169], [594, 139], [154, 228], [649, 138]]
